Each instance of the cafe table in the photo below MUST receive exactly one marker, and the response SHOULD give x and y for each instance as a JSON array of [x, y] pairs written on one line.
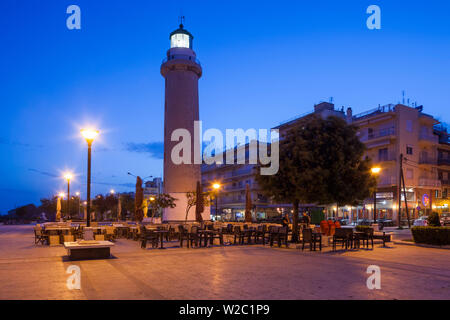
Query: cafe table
[[161, 239]]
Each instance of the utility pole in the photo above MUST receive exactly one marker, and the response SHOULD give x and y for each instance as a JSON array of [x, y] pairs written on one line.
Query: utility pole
[[399, 192], [406, 201], [400, 182]]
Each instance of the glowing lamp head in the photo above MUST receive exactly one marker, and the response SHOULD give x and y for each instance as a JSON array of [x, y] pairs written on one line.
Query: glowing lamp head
[[68, 176], [61, 195], [89, 134], [181, 38], [152, 198], [77, 193], [216, 186], [376, 170], [112, 191]]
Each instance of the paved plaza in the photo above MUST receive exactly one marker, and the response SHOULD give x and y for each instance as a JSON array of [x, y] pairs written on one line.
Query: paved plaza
[[29, 271]]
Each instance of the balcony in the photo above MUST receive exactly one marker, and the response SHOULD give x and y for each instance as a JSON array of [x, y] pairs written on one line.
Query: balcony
[[381, 133], [443, 161], [426, 182], [387, 181], [386, 157], [373, 112], [427, 137], [427, 160], [445, 182]]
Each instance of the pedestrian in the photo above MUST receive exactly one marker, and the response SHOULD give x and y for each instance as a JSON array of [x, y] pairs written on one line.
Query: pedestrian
[[285, 221], [306, 219]]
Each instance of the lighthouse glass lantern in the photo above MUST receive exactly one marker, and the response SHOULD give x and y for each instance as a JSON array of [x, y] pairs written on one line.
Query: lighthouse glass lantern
[[181, 38]]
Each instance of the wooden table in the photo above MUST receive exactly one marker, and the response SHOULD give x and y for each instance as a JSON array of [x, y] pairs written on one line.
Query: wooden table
[[161, 234], [88, 249]]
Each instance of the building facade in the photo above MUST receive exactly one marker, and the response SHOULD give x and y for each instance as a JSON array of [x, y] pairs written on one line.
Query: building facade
[[388, 132]]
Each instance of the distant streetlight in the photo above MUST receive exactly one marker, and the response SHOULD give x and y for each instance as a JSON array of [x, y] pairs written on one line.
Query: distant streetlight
[[112, 191], [89, 135], [68, 176], [375, 171]]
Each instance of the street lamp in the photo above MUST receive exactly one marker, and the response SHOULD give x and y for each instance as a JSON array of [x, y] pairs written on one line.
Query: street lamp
[[68, 176], [89, 135], [152, 199], [79, 204], [375, 172], [216, 187]]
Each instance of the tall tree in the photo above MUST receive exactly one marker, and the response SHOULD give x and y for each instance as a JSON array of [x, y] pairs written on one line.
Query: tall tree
[[162, 201], [192, 199], [321, 161]]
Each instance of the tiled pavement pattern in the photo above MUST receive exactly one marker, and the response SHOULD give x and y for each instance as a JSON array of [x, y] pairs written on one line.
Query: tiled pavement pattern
[[29, 271]]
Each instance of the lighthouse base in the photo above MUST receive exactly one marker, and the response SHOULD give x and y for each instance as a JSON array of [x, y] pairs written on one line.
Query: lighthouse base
[[178, 214]]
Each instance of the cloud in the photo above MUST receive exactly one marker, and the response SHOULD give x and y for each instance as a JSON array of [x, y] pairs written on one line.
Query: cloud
[[48, 174], [127, 185], [155, 149], [18, 144]]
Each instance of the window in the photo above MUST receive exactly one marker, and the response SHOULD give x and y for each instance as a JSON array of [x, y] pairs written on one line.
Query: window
[[409, 125], [383, 154], [409, 174], [409, 150], [179, 40]]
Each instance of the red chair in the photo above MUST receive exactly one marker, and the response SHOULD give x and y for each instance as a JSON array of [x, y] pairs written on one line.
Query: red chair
[[337, 224], [332, 230], [324, 228]]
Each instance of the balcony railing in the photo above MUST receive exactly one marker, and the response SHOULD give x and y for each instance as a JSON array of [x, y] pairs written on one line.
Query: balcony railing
[[427, 160], [369, 113], [386, 157], [386, 132], [443, 161], [182, 57], [428, 137], [387, 181], [426, 182]]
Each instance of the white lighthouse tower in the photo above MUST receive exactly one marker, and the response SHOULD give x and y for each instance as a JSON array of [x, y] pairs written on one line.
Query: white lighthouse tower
[[181, 71]]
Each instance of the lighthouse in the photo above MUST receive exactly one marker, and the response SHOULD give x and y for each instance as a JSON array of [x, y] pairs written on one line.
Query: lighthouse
[[181, 71]]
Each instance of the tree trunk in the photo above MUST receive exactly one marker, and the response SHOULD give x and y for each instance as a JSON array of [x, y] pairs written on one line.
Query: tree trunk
[[294, 238]]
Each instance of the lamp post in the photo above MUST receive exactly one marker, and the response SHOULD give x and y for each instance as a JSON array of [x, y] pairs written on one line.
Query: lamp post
[[152, 199], [112, 192], [216, 187], [89, 135], [79, 204], [68, 177], [375, 171]]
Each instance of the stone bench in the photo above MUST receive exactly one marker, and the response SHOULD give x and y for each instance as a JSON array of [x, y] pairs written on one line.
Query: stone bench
[[88, 249], [386, 237]]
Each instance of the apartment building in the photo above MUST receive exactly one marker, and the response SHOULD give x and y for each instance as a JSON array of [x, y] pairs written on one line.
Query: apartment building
[[388, 132], [233, 179]]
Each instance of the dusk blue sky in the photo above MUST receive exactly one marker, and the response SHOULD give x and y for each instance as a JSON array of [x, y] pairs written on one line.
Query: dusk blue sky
[[263, 62]]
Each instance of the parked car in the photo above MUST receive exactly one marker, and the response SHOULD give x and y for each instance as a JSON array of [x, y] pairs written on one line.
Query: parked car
[[421, 222], [445, 219]]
